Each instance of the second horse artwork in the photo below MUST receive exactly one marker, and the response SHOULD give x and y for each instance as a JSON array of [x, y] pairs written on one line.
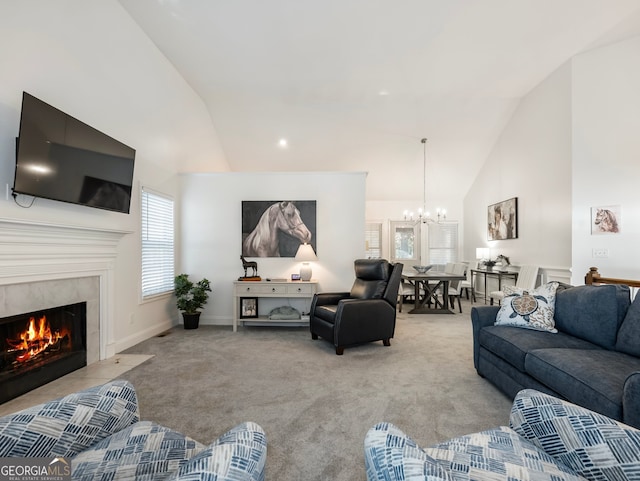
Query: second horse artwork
[[277, 228]]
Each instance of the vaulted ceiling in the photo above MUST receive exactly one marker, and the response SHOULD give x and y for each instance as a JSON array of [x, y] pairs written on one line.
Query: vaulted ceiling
[[353, 85]]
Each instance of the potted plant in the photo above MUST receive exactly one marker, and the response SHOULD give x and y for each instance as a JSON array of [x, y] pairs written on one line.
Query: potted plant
[[489, 264], [190, 298]]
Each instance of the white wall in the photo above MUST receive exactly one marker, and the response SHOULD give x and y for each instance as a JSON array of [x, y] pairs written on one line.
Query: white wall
[[92, 61], [530, 161], [212, 230], [606, 150]]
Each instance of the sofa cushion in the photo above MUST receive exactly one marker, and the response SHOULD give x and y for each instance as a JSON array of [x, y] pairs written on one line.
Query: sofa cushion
[[593, 313], [531, 309], [506, 377], [593, 378], [628, 340], [513, 344]]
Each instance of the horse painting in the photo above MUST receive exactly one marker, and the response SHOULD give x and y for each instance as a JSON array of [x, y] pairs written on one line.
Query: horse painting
[[605, 221], [263, 240]]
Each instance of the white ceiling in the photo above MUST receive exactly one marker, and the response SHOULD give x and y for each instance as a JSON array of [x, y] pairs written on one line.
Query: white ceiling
[[313, 72]]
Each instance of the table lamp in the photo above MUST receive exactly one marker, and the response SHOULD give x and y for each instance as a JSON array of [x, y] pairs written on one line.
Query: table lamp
[[483, 253], [305, 255]]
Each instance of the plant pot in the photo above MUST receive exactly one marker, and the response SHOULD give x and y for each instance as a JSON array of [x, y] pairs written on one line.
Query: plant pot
[[191, 321]]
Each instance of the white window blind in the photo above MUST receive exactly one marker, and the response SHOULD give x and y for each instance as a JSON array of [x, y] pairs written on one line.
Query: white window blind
[[373, 240], [443, 243], [157, 244]]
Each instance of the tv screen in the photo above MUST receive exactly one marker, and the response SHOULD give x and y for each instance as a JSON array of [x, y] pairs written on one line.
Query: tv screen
[[60, 158]]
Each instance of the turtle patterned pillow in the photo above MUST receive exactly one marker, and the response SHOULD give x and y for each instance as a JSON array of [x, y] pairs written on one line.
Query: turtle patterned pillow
[[532, 309]]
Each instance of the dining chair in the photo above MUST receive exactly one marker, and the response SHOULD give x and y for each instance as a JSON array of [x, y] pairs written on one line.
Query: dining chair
[[405, 291], [455, 291], [527, 277], [468, 283], [456, 268]]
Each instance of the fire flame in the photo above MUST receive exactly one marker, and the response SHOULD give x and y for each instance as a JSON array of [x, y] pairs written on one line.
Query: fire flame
[[36, 339]]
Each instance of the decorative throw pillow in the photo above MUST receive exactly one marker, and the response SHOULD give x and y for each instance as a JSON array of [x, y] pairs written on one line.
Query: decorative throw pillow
[[529, 309]]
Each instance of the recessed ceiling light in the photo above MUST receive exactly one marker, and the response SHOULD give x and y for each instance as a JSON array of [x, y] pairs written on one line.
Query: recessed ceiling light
[[283, 143], [383, 92]]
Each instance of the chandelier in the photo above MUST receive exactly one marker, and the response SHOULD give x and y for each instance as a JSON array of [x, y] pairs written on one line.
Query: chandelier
[[424, 215]]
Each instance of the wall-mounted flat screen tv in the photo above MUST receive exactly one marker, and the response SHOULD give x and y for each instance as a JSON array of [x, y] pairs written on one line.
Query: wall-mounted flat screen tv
[[60, 158]]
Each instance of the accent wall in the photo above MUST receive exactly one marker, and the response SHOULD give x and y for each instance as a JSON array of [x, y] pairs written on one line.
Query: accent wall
[[211, 229]]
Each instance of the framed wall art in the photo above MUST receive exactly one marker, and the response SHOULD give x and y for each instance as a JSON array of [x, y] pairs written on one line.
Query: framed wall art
[[502, 220], [248, 307], [277, 228], [605, 219]]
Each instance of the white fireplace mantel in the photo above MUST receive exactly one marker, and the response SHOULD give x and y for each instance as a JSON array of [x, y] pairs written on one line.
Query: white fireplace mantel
[[32, 251]]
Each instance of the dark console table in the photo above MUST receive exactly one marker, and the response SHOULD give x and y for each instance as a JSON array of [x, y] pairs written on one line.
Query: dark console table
[[493, 273]]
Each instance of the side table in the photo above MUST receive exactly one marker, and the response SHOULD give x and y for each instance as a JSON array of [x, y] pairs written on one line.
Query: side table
[[304, 290], [498, 274]]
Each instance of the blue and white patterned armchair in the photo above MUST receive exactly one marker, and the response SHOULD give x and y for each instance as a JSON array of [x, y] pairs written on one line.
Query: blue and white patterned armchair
[[547, 440], [100, 432]]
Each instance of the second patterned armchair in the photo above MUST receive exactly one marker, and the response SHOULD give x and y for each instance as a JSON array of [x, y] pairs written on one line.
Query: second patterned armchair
[[547, 439]]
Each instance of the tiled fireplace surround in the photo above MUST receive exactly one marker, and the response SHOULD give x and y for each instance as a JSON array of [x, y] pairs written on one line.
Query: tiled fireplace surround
[[44, 265], [47, 265]]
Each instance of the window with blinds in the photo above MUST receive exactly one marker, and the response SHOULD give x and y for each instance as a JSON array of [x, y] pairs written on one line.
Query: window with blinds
[[443, 243], [373, 240], [157, 244]]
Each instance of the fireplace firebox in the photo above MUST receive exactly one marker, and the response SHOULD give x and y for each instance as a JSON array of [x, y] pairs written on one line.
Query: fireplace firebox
[[38, 347]]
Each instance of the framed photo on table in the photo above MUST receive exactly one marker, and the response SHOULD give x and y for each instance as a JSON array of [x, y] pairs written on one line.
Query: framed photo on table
[[248, 307]]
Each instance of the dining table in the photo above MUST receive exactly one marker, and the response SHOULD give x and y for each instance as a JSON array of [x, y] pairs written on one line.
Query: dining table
[[426, 286]]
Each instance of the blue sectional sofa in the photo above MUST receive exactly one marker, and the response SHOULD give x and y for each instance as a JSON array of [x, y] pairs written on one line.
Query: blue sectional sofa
[[593, 360], [547, 440], [98, 433]]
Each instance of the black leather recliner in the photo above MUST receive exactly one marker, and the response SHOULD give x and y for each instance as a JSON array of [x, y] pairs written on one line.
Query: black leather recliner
[[366, 314]]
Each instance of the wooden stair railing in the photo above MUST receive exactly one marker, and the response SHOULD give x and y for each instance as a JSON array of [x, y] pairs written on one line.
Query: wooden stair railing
[[593, 277]]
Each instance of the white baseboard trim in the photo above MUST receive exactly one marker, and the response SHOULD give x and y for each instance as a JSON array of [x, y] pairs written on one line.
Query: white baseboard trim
[[138, 337], [216, 321]]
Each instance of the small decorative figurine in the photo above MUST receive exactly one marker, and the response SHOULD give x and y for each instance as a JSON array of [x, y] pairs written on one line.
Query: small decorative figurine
[[504, 260], [246, 265]]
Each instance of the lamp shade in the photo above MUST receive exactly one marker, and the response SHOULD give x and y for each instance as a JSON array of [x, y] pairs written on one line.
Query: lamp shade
[[482, 253], [305, 253]]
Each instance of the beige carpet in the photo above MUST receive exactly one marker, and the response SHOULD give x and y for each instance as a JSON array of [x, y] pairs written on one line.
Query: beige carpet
[[315, 406]]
